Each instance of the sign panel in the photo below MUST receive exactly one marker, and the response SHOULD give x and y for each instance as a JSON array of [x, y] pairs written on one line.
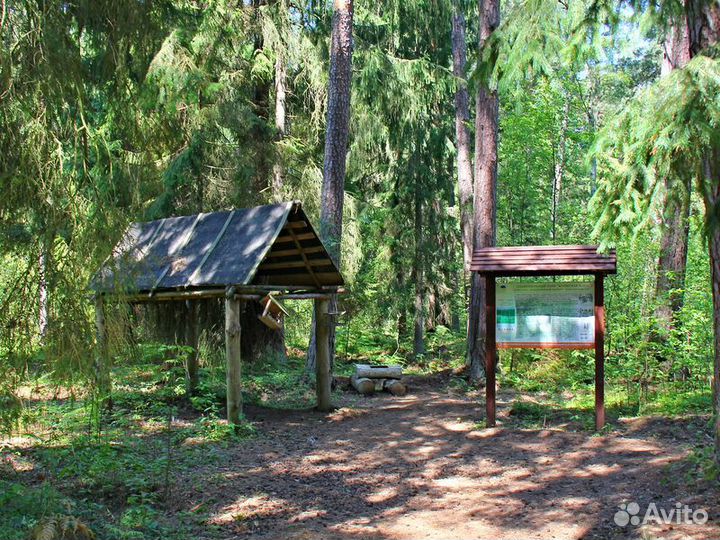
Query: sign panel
[[549, 315]]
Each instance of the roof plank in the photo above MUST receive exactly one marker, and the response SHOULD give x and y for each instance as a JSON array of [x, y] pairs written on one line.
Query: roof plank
[[543, 261]]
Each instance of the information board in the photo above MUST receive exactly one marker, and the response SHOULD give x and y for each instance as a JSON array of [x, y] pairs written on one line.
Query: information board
[[549, 315]]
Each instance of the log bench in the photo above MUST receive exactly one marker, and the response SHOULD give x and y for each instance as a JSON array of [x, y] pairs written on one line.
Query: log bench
[[368, 379]]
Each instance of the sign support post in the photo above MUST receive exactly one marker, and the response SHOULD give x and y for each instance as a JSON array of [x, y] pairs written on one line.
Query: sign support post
[[490, 350], [520, 261], [599, 352]]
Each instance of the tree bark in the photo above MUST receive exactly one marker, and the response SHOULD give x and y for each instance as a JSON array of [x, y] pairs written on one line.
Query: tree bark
[[280, 125], [367, 371], [431, 320], [675, 230], [711, 196], [259, 342], [233, 359], [486, 138], [419, 276], [336, 145], [559, 171], [703, 24], [338, 128], [323, 373], [672, 262], [103, 382], [462, 132], [191, 340], [42, 293]]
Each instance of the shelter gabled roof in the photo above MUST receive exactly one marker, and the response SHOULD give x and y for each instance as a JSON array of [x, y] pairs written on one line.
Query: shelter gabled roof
[[273, 245], [543, 261]]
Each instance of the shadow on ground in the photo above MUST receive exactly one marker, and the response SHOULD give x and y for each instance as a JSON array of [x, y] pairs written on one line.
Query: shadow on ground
[[421, 467]]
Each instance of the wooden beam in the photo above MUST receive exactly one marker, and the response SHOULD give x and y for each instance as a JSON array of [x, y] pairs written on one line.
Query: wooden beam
[[191, 340], [599, 352], [296, 239], [219, 293], [295, 264], [233, 359], [290, 252], [297, 236], [323, 377], [296, 224], [174, 295], [490, 351], [286, 296], [539, 345], [294, 279]]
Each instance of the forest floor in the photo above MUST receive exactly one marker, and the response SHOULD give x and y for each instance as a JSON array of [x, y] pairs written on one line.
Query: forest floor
[[415, 467], [420, 467]]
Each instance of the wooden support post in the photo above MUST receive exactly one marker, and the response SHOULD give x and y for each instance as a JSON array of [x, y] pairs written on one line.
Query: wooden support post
[[323, 377], [490, 351], [191, 340], [599, 351], [102, 356], [233, 360]]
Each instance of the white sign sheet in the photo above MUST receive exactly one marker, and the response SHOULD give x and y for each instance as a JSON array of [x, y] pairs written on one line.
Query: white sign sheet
[[545, 315]]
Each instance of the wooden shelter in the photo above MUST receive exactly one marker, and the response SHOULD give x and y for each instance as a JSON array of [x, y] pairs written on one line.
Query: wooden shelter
[[241, 255], [492, 263]]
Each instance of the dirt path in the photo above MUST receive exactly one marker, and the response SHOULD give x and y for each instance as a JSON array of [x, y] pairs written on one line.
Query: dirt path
[[417, 468]]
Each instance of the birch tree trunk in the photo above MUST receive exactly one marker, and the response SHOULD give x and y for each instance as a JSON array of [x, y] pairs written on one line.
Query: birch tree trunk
[[336, 145], [486, 139], [462, 131]]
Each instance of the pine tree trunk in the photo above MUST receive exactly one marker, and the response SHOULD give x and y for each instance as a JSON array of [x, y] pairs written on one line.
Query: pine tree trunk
[[261, 107], [419, 277], [704, 31], [486, 138], [559, 171], [257, 341], [462, 132], [280, 126], [712, 199], [672, 260], [42, 294], [336, 145], [399, 286], [431, 319]]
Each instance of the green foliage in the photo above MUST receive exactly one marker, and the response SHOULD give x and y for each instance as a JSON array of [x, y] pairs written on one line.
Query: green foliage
[[648, 152], [705, 466], [22, 507]]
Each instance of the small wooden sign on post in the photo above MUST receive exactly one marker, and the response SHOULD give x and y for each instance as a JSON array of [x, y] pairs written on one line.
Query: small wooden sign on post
[[273, 313], [545, 315]]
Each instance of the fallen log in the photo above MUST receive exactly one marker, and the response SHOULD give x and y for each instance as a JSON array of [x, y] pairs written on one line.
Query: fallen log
[[362, 384], [378, 372], [395, 387]]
